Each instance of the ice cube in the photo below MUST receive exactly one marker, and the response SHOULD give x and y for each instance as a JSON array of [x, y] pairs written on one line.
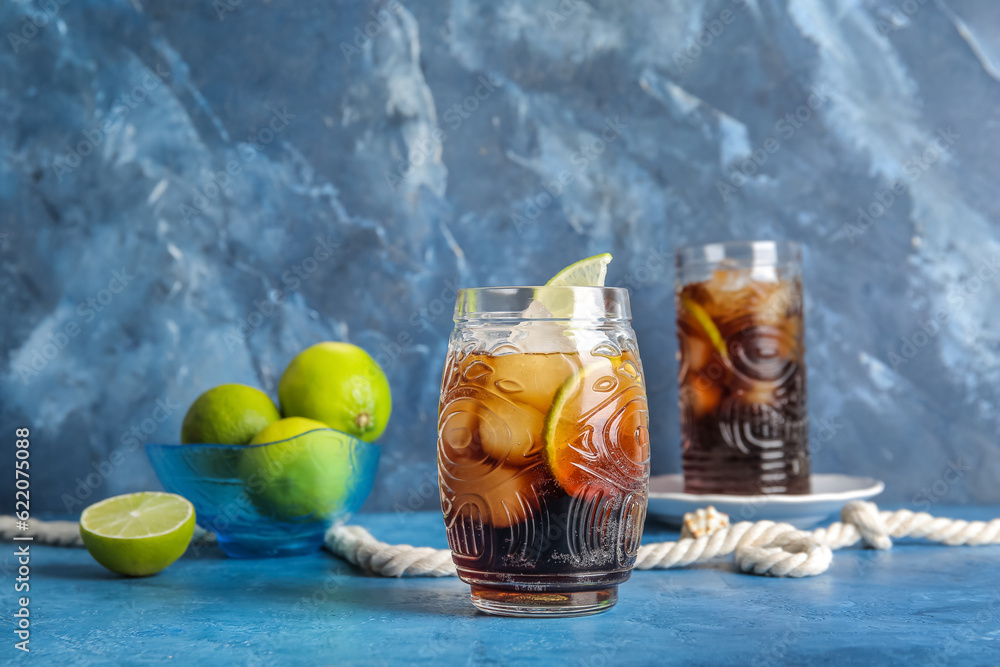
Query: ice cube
[[700, 394], [508, 432], [533, 379], [543, 337], [731, 280], [502, 495]]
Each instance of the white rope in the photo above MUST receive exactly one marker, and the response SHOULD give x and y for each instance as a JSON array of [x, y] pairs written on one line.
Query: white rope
[[53, 533], [764, 547], [66, 533], [781, 550], [357, 546]]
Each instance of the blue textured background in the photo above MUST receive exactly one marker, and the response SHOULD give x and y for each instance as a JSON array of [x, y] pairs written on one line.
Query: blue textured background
[[368, 180]]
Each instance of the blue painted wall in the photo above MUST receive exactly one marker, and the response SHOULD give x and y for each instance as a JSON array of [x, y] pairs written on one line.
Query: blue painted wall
[[193, 191]]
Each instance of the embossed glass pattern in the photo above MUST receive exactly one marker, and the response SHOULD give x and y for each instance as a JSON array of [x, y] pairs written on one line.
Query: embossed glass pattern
[[543, 447], [742, 372]]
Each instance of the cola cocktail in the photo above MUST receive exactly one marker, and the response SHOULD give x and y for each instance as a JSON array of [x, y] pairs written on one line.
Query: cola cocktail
[[543, 448], [745, 429]]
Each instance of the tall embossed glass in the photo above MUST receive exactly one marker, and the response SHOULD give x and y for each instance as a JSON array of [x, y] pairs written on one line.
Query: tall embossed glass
[[543, 447], [744, 425]]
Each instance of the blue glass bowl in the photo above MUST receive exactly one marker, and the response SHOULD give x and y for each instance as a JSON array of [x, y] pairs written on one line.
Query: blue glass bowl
[[275, 499]]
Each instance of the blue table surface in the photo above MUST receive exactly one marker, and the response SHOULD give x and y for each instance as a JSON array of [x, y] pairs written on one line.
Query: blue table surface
[[915, 604]]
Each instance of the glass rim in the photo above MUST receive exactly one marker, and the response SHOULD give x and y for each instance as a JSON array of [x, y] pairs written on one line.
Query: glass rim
[[512, 303], [508, 288], [760, 251], [191, 446]]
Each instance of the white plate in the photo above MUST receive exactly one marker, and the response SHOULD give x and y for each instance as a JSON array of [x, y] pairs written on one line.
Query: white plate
[[669, 503]]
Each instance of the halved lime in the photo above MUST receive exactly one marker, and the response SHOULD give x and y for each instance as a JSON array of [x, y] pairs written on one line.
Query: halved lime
[[138, 534], [589, 272]]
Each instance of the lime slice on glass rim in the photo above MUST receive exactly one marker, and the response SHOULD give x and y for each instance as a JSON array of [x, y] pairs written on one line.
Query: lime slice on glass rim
[[138, 534], [589, 272]]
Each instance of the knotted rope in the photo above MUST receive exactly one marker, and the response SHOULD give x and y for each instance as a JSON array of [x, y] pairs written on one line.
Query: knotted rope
[[764, 547], [781, 550]]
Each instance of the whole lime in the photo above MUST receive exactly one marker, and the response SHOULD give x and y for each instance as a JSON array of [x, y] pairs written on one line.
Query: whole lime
[[230, 414], [286, 428], [305, 474], [138, 534], [340, 385]]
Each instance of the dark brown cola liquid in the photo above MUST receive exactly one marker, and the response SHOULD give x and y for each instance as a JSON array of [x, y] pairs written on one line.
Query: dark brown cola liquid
[[568, 542], [745, 429]]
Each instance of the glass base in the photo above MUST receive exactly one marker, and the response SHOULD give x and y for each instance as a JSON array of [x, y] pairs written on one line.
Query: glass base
[[505, 602]]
